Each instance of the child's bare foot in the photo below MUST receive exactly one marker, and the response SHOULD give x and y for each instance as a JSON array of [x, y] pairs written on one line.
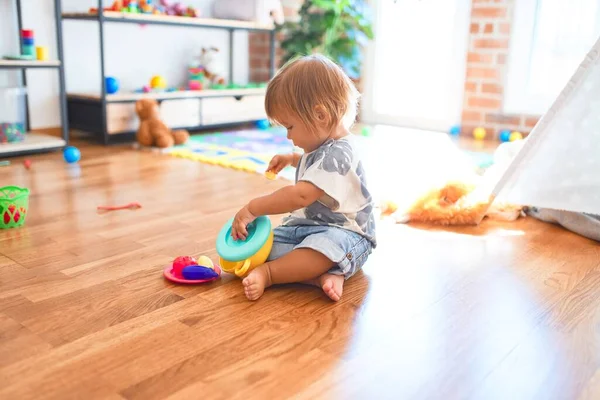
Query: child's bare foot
[[256, 282], [332, 285]]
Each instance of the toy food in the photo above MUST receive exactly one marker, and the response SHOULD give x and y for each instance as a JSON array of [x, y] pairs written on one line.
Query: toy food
[[154, 132], [186, 269], [241, 256], [181, 262]]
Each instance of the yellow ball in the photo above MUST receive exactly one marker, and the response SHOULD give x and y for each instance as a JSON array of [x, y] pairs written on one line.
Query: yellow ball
[[479, 133], [515, 136], [158, 82], [205, 262]]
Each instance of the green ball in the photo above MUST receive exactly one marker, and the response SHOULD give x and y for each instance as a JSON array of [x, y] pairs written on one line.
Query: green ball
[[365, 131]]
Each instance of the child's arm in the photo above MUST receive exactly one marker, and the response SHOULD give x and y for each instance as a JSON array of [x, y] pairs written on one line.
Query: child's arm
[[284, 200]]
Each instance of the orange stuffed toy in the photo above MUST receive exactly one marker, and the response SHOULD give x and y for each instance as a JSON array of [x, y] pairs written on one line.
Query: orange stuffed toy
[[153, 131], [456, 203]]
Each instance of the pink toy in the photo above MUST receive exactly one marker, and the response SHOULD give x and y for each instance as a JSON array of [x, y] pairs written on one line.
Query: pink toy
[[130, 206], [180, 263]]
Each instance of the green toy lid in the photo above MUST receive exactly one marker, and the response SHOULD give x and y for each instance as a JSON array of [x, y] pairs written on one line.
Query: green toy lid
[[237, 250]]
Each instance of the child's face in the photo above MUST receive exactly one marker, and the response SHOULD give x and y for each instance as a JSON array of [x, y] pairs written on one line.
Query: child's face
[[300, 135]]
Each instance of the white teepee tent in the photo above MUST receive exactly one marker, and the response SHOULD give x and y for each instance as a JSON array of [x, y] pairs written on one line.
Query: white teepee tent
[[558, 166]]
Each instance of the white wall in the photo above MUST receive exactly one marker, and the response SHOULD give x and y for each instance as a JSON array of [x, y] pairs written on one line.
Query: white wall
[[133, 53]]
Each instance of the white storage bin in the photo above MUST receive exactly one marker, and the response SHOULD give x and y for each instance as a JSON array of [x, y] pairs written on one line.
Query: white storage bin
[[225, 110], [12, 114]]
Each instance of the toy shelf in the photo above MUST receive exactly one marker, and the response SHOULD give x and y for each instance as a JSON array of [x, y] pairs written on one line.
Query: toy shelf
[[115, 16], [39, 142], [110, 117], [34, 142], [15, 64], [180, 94]]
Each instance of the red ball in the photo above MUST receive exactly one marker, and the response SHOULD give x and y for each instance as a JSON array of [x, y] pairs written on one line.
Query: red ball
[[180, 263]]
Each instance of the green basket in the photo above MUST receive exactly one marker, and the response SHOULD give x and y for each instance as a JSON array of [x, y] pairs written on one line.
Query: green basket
[[13, 206]]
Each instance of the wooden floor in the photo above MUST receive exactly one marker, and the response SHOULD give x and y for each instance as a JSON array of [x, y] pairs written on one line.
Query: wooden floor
[[502, 311]]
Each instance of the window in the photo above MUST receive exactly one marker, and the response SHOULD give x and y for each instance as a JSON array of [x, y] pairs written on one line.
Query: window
[[549, 40]]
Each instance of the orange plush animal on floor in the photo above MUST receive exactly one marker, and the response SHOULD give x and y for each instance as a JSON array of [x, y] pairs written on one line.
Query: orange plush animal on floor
[[456, 203], [153, 131]]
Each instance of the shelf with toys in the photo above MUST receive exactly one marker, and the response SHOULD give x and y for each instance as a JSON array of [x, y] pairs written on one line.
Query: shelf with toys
[[206, 100], [136, 18], [15, 135]]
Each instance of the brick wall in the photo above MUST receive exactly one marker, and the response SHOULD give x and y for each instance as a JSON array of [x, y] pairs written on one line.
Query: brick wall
[[486, 70], [258, 44]]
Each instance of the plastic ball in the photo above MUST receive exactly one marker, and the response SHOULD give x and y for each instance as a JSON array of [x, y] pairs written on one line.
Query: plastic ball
[[71, 154], [263, 124], [365, 131], [112, 85], [516, 136], [158, 82], [146, 89], [479, 133], [504, 135], [455, 130]]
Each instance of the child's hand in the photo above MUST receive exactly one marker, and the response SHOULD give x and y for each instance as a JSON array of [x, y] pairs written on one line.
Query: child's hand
[[279, 162], [240, 222]]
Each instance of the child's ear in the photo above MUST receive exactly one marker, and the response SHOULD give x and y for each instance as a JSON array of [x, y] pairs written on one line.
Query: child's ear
[[322, 115]]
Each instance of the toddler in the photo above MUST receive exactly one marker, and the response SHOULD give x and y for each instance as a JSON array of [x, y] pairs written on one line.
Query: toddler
[[330, 231]]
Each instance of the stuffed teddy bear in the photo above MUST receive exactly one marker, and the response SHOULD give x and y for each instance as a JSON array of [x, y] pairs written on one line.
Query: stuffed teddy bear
[[154, 132]]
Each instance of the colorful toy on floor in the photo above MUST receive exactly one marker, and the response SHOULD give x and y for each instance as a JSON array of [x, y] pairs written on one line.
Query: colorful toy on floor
[[239, 257], [112, 85], [186, 269], [130, 206], [455, 130], [152, 130], [504, 135], [14, 203], [4, 163], [27, 164], [365, 131], [71, 154], [516, 136], [479, 133]]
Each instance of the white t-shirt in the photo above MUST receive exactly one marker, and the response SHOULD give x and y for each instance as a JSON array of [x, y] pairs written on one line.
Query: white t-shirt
[[336, 169]]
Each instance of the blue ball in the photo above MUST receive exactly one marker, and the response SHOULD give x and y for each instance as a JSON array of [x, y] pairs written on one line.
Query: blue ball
[[112, 85], [71, 154], [505, 135], [455, 130], [263, 124]]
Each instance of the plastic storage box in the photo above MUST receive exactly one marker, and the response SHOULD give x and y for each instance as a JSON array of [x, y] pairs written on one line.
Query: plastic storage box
[[12, 114]]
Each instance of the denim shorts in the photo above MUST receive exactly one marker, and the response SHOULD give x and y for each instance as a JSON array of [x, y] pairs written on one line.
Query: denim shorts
[[347, 249]]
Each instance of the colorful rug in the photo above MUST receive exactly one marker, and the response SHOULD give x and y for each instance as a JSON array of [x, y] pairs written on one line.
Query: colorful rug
[[251, 150], [247, 150]]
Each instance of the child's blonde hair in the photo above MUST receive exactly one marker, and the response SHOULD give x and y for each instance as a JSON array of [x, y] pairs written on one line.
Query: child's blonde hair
[[305, 83]]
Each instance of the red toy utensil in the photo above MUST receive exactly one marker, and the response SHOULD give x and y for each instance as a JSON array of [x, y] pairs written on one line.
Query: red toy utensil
[[130, 206]]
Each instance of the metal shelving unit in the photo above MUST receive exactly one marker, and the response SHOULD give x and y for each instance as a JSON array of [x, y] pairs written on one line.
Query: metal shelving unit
[[88, 112], [39, 142]]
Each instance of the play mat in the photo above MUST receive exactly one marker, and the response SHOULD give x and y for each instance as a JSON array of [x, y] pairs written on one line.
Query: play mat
[[251, 150], [246, 150]]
